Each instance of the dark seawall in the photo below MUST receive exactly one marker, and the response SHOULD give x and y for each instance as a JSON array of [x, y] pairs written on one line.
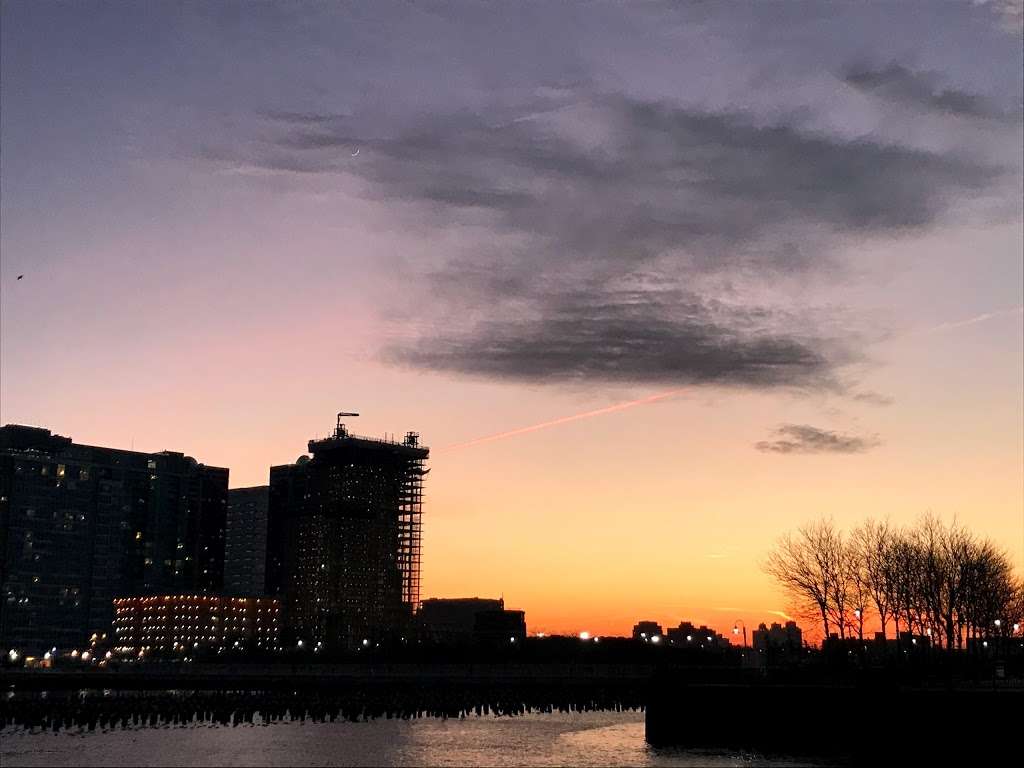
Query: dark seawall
[[865, 725]]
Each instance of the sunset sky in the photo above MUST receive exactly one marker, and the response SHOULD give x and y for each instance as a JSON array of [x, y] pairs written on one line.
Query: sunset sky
[[786, 238]]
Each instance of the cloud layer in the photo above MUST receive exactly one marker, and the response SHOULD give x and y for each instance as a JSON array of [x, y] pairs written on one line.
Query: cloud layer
[[635, 226], [803, 438]]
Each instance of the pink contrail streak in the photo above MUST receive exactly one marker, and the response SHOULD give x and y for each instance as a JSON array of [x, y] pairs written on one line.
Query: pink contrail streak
[[564, 420]]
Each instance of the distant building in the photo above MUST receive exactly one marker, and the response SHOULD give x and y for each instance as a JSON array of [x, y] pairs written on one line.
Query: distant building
[[187, 623], [646, 630], [245, 547], [81, 524], [452, 620], [500, 627], [343, 533], [788, 638], [686, 635]]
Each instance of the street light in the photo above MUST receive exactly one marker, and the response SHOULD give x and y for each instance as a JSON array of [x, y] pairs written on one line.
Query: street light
[[736, 630]]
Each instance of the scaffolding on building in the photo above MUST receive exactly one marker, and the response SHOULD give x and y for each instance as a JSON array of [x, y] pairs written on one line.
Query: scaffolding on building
[[410, 523]]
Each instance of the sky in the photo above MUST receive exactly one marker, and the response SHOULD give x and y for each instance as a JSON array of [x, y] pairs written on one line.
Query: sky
[[741, 265]]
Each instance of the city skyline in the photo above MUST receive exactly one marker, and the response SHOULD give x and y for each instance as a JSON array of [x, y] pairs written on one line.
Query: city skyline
[[651, 298]]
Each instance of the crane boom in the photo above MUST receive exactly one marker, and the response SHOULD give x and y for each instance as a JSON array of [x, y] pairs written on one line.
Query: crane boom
[[339, 430]]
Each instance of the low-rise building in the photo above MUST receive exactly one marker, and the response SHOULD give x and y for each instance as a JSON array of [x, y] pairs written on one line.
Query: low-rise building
[[190, 622], [500, 627], [788, 638], [646, 631], [452, 619], [686, 635]]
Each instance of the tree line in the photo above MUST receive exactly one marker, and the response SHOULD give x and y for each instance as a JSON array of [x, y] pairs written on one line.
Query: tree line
[[928, 579]]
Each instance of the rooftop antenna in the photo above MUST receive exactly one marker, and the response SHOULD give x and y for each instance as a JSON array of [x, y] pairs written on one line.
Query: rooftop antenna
[[340, 430]]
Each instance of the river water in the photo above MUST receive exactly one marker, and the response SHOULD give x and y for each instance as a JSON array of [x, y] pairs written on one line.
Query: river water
[[584, 739]]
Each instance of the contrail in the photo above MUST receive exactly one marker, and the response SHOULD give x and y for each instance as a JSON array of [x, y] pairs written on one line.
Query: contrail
[[973, 320], [564, 420]]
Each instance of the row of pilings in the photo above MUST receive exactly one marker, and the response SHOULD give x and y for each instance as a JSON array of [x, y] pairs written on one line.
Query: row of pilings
[[92, 709]]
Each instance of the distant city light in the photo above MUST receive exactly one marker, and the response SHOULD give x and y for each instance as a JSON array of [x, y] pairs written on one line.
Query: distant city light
[[12, 655], [299, 644], [86, 655], [365, 642], [998, 623], [511, 639], [655, 638], [541, 634], [689, 638], [584, 635]]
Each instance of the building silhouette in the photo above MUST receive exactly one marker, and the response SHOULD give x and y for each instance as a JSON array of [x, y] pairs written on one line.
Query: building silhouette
[[343, 533], [452, 620], [245, 547], [786, 639], [499, 628], [81, 525], [645, 631], [686, 635]]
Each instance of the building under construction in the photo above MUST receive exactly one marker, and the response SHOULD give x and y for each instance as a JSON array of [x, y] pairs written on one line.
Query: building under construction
[[343, 538]]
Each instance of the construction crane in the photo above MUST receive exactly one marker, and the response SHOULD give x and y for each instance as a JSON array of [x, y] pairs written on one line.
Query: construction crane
[[340, 430]]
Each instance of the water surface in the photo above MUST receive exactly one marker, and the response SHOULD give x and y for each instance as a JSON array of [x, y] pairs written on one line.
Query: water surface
[[557, 739]]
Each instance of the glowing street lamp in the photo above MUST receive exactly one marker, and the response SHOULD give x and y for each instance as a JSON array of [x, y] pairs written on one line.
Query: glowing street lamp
[[736, 630]]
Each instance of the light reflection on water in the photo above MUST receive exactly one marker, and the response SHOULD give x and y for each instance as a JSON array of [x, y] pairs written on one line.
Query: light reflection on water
[[584, 739]]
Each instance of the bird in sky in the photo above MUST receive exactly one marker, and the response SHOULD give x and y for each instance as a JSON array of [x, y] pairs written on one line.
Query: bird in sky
[[20, 276]]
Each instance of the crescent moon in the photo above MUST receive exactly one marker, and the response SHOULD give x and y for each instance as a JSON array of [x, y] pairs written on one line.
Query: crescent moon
[[355, 153]]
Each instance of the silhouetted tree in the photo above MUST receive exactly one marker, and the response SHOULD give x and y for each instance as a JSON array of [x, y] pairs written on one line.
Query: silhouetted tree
[[871, 542], [930, 578], [804, 565]]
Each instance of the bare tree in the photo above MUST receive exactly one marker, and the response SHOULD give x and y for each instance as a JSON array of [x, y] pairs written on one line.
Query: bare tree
[[858, 586], [871, 542], [795, 566], [932, 578]]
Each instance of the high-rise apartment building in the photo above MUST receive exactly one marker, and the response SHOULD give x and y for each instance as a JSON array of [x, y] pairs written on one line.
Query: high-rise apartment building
[[81, 525], [245, 548], [343, 535]]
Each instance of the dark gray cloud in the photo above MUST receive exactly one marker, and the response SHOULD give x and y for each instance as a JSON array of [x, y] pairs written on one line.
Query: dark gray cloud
[[803, 438], [923, 89], [599, 189], [624, 336]]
